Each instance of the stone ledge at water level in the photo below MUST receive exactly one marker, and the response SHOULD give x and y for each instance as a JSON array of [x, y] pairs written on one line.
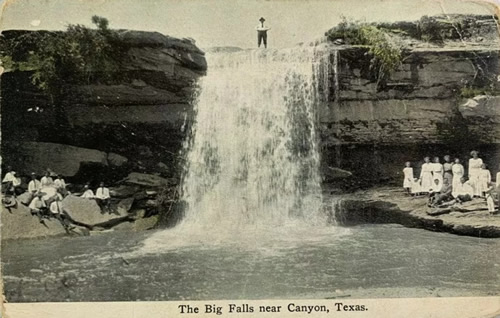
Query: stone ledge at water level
[[390, 205]]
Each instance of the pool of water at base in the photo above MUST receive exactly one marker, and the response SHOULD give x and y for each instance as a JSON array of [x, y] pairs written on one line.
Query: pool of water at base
[[367, 261]]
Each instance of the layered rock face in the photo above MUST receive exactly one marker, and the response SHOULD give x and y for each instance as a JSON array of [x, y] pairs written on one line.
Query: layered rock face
[[422, 109], [419, 103], [140, 118]]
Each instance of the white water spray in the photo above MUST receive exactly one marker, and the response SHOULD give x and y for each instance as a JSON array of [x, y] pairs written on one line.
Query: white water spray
[[253, 159]]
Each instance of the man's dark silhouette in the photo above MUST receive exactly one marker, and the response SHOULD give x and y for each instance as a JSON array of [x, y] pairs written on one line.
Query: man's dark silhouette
[[262, 32]]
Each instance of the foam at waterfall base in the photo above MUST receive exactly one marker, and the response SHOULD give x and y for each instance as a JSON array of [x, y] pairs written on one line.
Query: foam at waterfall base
[[261, 239], [251, 176]]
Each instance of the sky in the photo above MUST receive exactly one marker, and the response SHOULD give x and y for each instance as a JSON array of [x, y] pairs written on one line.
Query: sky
[[224, 22]]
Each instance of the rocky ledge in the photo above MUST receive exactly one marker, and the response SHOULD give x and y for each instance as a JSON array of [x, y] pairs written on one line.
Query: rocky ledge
[[391, 205], [135, 201]]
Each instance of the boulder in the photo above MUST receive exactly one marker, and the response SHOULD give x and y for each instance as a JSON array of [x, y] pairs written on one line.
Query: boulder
[[137, 214], [116, 160], [141, 224], [146, 223], [146, 180], [123, 191], [332, 173], [124, 206], [25, 198], [85, 211], [481, 106], [38, 156], [141, 195], [163, 168], [18, 223]]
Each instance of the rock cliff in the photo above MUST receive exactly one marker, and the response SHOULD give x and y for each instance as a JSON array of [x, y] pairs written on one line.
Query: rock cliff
[[441, 99], [432, 104], [140, 117]]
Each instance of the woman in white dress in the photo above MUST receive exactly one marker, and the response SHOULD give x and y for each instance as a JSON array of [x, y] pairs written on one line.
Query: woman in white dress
[[484, 180], [437, 170], [458, 172], [497, 178], [426, 182], [448, 166], [475, 164], [408, 177]]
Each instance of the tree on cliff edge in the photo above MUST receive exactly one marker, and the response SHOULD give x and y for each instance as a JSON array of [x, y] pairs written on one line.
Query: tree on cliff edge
[[58, 60]]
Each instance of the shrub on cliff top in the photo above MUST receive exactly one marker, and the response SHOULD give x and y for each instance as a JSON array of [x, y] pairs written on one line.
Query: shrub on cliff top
[[78, 55], [385, 52], [55, 60]]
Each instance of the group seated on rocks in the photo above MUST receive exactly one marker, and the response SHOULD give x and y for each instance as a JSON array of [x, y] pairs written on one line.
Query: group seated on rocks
[[44, 197], [101, 196], [446, 184]]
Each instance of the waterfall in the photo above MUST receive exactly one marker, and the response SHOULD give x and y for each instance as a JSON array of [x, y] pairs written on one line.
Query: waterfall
[[335, 67], [252, 158]]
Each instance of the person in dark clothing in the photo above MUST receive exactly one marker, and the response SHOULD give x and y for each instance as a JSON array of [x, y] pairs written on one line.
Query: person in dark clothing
[[444, 195], [262, 33]]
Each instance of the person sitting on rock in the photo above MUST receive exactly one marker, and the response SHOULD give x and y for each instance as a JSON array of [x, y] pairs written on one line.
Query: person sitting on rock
[[435, 190], [59, 182], [102, 197], [11, 183], [463, 192], [60, 185], [87, 192], [47, 180], [38, 207], [8, 179], [444, 194], [57, 211], [34, 185]]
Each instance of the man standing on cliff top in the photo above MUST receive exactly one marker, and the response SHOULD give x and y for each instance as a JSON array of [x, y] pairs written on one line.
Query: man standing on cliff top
[[262, 32]]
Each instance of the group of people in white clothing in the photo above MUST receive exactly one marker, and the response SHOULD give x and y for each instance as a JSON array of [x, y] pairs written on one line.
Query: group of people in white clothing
[[447, 181], [47, 193], [101, 196]]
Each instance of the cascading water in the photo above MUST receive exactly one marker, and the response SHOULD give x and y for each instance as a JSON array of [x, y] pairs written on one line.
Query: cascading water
[[253, 159], [336, 84]]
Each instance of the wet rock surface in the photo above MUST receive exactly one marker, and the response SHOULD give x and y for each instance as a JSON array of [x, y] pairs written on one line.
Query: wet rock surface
[[391, 205], [17, 222], [85, 211]]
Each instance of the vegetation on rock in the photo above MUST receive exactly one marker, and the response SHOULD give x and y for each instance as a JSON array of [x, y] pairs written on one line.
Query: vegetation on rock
[[56, 60], [386, 53], [78, 55]]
